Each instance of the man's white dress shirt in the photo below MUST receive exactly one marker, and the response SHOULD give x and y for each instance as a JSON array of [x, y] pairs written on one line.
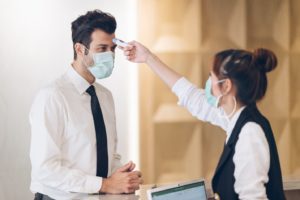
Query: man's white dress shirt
[[252, 156], [63, 138]]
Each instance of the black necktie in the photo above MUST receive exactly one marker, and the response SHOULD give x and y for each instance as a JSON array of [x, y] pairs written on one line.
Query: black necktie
[[102, 155]]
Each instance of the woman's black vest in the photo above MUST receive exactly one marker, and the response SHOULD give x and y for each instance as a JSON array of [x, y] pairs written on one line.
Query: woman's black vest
[[223, 180]]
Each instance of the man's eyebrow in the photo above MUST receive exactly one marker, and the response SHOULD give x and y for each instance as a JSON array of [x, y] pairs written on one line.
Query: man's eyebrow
[[102, 45], [106, 45]]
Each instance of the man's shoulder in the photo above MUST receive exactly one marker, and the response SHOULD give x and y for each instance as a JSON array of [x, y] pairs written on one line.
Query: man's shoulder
[[53, 89], [102, 88]]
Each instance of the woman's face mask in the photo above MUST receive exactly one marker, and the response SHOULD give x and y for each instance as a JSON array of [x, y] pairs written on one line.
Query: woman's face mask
[[211, 99], [103, 64], [214, 101]]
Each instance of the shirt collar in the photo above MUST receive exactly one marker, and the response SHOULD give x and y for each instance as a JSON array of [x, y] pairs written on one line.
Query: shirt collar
[[78, 81], [232, 122]]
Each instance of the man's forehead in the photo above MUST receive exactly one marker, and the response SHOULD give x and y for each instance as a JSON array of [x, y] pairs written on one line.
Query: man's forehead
[[100, 37]]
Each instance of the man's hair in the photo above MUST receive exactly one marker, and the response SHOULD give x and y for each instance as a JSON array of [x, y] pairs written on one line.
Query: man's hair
[[85, 25]]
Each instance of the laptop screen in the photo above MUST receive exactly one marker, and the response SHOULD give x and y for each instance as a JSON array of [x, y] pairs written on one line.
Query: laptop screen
[[193, 191]]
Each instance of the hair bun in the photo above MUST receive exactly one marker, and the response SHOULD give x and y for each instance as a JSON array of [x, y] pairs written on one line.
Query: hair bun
[[264, 59]]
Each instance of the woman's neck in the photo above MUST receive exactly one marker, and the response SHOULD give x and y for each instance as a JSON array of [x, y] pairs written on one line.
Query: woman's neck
[[231, 106]]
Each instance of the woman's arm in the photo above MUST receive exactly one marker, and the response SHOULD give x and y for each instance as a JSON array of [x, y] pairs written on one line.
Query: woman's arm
[[138, 53], [189, 96], [252, 163]]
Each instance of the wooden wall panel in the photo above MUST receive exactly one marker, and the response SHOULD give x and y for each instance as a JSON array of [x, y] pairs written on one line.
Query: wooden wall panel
[[186, 34]]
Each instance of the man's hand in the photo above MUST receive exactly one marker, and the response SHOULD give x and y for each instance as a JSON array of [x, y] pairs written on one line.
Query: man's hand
[[124, 180]]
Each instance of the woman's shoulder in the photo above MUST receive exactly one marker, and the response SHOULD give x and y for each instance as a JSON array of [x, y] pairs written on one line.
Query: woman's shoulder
[[253, 132]]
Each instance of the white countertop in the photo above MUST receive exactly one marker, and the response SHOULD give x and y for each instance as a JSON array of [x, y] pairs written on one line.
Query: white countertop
[[113, 197], [290, 184]]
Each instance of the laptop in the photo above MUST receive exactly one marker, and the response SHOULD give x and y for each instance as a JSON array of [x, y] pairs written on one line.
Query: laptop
[[191, 190]]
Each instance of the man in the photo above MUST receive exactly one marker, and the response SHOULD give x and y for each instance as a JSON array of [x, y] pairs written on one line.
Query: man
[[74, 139]]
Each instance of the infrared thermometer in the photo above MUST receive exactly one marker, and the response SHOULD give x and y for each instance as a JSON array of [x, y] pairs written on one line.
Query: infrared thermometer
[[119, 42]]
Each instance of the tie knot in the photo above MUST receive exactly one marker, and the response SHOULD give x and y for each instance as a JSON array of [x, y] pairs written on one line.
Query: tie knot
[[91, 91]]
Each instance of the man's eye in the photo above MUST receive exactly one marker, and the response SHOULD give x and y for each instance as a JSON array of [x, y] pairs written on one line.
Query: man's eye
[[101, 49]]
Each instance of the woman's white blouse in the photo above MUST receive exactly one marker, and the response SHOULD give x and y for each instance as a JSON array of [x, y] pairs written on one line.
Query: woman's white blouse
[[252, 156]]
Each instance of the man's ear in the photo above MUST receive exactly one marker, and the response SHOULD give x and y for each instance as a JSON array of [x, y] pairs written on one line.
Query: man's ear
[[79, 49]]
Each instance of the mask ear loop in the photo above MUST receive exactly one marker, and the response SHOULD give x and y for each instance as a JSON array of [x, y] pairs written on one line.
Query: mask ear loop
[[84, 62], [220, 96]]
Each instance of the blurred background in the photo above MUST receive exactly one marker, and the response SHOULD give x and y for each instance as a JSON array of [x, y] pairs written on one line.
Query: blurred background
[[166, 142], [36, 48]]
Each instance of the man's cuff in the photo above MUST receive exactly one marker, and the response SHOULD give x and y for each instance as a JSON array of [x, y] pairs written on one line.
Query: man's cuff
[[93, 184]]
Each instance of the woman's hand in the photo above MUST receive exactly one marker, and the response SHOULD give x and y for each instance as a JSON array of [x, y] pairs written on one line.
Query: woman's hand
[[136, 52]]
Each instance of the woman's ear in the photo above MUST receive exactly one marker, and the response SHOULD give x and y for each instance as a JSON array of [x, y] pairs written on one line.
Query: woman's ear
[[227, 86]]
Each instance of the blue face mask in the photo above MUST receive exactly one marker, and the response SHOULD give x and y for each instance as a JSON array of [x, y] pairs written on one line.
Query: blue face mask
[[103, 64], [211, 99]]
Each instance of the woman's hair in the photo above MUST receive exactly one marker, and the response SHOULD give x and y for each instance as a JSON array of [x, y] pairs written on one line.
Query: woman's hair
[[247, 70]]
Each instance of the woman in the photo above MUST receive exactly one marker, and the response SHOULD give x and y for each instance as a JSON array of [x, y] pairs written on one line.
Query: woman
[[249, 166]]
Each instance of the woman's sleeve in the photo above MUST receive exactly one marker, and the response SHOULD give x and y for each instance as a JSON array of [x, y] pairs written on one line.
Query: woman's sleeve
[[252, 163], [194, 100]]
